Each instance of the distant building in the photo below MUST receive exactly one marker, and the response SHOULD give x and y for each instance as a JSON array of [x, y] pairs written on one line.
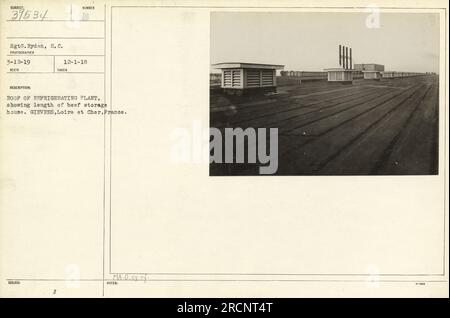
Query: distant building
[[371, 70], [369, 67], [389, 74], [305, 75], [344, 73]]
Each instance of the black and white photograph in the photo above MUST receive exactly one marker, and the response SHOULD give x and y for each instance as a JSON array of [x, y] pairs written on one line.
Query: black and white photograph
[[224, 155], [324, 93]]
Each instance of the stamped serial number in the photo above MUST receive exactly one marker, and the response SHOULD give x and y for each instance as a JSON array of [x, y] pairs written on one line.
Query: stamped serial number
[[20, 13]]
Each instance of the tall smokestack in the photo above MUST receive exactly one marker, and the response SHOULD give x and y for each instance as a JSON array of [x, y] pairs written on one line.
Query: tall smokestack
[[351, 63], [343, 56], [340, 55], [346, 57]]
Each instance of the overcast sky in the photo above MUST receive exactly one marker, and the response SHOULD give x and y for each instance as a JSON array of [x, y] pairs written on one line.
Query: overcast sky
[[309, 41]]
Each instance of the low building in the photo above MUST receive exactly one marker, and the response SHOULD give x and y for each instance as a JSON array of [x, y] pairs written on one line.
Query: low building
[[338, 74], [358, 75], [369, 67], [239, 78], [305, 76], [371, 71], [388, 74]]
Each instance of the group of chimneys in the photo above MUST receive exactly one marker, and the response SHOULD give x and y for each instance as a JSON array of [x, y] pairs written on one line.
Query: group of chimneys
[[345, 60]]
